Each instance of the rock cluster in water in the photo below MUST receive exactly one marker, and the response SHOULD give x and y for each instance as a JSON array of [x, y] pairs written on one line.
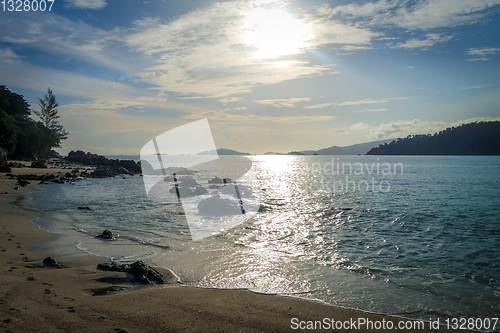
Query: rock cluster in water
[[105, 167]]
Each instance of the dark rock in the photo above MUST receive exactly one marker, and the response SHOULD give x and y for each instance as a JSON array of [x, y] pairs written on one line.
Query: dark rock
[[49, 261], [227, 180], [200, 190], [144, 273], [16, 165], [38, 165], [103, 173], [22, 182], [188, 182], [5, 168], [245, 191], [141, 272], [215, 180], [54, 154], [217, 206], [105, 167], [106, 234], [76, 156], [75, 170], [183, 191], [130, 166], [123, 171], [85, 208], [214, 187]]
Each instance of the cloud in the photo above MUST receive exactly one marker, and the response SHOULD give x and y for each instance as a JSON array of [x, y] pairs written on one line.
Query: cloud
[[230, 100], [61, 36], [371, 110], [284, 102], [225, 117], [87, 4], [319, 106], [419, 14], [476, 86], [426, 43], [401, 129], [373, 101], [480, 54], [358, 102], [9, 57], [326, 31], [207, 52]]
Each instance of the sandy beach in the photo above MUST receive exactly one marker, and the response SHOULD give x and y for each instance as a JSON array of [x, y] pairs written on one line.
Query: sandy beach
[[79, 298]]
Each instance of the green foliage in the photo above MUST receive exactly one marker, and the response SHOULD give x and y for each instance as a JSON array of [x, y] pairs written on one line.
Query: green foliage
[[49, 115], [22, 136], [477, 138], [14, 104], [8, 132]]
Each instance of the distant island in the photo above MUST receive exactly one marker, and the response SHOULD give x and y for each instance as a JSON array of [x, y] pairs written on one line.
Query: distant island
[[357, 149], [222, 151], [477, 138]]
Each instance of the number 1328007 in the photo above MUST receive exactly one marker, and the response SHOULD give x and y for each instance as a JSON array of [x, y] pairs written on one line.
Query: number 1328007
[[27, 5]]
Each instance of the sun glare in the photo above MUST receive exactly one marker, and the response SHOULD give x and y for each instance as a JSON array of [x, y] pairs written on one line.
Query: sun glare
[[275, 33]]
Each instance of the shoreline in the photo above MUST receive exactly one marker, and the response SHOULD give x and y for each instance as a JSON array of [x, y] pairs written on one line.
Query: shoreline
[[50, 299]]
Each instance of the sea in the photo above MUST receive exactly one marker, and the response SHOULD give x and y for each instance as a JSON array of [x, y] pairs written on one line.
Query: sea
[[411, 236]]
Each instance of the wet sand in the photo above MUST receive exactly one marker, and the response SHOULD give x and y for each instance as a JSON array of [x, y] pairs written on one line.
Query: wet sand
[[79, 298]]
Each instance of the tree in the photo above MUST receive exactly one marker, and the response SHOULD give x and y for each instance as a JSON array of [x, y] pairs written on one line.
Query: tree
[[8, 132], [49, 116]]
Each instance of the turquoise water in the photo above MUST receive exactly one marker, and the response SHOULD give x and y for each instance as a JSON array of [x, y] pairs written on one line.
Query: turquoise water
[[418, 236]]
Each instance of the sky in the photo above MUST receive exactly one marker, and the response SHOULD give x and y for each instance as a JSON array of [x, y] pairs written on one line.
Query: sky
[[270, 75]]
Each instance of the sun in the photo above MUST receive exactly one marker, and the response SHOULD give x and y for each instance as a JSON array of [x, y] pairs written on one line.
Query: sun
[[275, 33]]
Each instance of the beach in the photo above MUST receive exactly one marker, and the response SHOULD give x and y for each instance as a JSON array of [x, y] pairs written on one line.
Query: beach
[[79, 298]]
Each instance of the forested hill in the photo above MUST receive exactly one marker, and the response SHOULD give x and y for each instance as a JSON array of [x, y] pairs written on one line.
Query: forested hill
[[478, 138]]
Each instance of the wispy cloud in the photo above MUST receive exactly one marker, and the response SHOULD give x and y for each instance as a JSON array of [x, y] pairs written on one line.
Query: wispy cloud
[[207, 52], [284, 102], [358, 102], [9, 57], [226, 100], [63, 37], [226, 117], [476, 86], [87, 4], [371, 110], [480, 54], [319, 106], [430, 40], [325, 31], [373, 101], [420, 14]]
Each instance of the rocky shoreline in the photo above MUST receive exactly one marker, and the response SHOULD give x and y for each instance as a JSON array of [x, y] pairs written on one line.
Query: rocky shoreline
[[79, 164]]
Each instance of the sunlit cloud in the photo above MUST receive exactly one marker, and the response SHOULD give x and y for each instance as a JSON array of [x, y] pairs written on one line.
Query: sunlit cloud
[[371, 110], [224, 117], [430, 40], [480, 54], [358, 102], [422, 14], [231, 47], [226, 100], [9, 57], [319, 106], [60, 36], [284, 102], [87, 4]]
